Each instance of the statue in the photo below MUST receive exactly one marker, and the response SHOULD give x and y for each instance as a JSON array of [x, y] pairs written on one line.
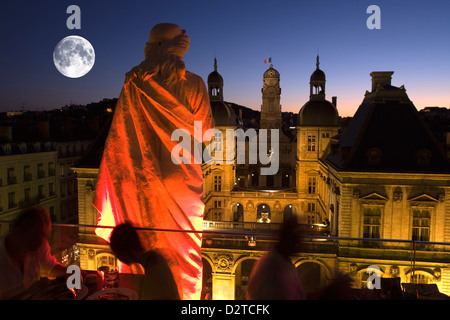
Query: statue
[[138, 182]]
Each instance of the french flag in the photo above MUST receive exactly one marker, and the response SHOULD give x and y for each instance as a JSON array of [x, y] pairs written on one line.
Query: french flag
[[268, 60]]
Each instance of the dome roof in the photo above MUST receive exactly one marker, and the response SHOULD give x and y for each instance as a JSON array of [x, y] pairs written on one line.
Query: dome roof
[[317, 75], [215, 77], [271, 73], [223, 114], [318, 113]]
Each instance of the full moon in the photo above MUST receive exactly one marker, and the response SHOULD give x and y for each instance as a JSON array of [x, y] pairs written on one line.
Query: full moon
[[74, 56]]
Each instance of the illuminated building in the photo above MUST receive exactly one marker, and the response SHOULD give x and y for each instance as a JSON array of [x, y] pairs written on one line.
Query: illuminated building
[[36, 153], [383, 177]]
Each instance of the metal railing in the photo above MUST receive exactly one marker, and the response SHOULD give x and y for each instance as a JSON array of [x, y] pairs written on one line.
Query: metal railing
[[262, 236]]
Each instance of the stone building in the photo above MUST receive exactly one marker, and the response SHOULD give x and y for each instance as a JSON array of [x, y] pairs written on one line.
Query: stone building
[[35, 161]]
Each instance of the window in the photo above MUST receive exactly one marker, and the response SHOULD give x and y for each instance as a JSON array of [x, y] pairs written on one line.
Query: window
[[41, 192], [255, 179], [312, 185], [311, 218], [217, 183], [218, 141], [11, 176], [27, 195], [51, 189], [371, 222], [238, 213], [270, 181], [41, 172], [27, 173], [263, 213], [311, 207], [217, 204], [69, 187], [421, 225], [12, 200], [63, 188], [62, 170], [285, 180], [51, 169], [311, 143]]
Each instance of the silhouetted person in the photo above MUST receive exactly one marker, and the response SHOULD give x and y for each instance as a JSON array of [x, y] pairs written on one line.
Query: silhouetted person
[[25, 254], [158, 283], [274, 277], [338, 289]]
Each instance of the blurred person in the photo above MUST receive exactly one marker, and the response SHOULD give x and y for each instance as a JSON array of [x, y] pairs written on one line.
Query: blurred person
[[158, 283], [138, 179], [274, 277], [25, 253], [340, 288]]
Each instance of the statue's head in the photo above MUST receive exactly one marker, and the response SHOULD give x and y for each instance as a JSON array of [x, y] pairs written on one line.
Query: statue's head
[[164, 52], [171, 37]]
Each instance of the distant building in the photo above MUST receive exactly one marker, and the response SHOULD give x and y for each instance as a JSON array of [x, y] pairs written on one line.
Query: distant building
[[37, 150]]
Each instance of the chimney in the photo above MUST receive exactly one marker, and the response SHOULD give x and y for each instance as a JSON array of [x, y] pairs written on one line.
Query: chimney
[[6, 133], [382, 78], [334, 101]]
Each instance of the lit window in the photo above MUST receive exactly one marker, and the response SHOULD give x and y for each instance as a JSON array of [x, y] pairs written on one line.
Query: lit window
[[312, 185], [218, 141], [372, 222], [311, 218], [311, 207], [217, 183], [421, 225], [311, 143]]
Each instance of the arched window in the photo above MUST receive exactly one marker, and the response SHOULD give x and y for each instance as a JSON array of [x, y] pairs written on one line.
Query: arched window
[[238, 212], [263, 213], [255, 178], [285, 179], [289, 211]]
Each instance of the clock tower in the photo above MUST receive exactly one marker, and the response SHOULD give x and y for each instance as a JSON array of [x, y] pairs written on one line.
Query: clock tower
[[271, 107]]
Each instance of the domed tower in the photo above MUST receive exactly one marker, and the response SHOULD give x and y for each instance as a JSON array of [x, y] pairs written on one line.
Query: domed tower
[[317, 83], [223, 113], [219, 176], [318, 123], [215, 84], [271, 93]]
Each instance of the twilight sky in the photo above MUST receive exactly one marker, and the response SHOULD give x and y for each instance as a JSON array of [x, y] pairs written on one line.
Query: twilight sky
[[413, 42]]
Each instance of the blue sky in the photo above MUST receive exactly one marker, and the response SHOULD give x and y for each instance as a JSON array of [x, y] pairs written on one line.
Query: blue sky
[[413, 42]]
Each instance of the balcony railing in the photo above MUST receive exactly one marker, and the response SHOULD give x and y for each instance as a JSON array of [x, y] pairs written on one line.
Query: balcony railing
[[258, 227]]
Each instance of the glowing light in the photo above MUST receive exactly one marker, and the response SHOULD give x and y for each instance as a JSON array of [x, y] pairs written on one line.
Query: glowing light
[[106, 220]]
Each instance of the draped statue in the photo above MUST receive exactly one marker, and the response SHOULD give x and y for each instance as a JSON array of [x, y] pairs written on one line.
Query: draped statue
[[138, 181]]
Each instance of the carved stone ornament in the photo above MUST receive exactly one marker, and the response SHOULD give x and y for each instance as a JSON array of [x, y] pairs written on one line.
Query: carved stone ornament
[[356, 194], [398, 196], [395, 271], [353, 268], [223, 261], [437, 274]]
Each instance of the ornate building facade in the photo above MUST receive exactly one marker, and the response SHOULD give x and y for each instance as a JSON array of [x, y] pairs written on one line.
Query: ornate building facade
[[382, 178]]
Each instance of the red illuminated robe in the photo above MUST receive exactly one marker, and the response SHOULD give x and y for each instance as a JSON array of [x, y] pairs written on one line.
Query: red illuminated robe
[[139, 182]]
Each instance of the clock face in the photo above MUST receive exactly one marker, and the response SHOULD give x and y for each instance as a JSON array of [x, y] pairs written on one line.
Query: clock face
[[271, 92]]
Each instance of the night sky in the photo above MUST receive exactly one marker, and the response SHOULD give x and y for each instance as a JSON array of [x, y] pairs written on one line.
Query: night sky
[[413, 41]]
